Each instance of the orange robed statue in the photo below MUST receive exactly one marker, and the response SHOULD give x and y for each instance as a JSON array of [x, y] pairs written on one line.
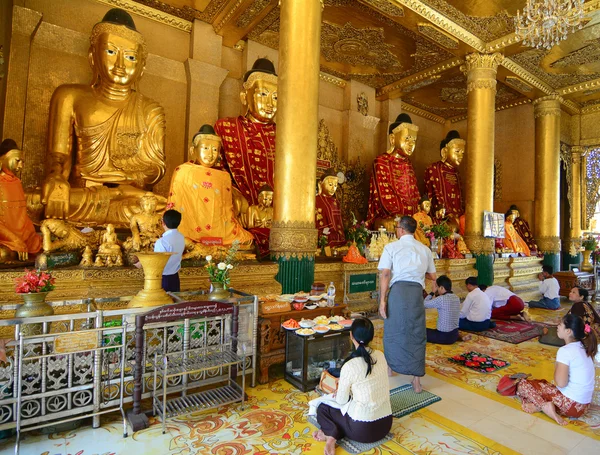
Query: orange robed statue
[[424, 221], [203, 194], [512, 239], [327, 210], [16, 229], [442, 180], [249, 141], [522, 227], [393, 187]]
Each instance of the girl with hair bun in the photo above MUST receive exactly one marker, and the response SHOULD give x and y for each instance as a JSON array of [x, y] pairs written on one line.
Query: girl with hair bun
[[572, 392], [363, 394]]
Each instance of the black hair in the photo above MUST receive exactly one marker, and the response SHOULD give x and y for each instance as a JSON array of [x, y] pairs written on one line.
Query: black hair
[[363, 332], [472, 280], [578, 327], [172, 218], [443, 280], [584, 293], [408, 223], [548, 269], [483, 287]]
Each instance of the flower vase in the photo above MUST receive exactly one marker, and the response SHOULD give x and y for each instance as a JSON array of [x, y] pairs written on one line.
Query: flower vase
[[434, 246], [34, 305], [153, 294], [586, 265], [440, 248], [218, 291]]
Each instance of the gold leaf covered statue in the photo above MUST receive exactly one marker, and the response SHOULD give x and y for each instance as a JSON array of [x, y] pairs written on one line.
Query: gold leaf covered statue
[[424, 221], [512, 239], [328, 213], [259, 220], [146, 226], [59, 235], [106, 139], [17, 233], [523, 229], [109, 252], [87, 259]]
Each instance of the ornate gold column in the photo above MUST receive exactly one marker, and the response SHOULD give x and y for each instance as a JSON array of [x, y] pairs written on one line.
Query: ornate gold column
[[547, 178], [575, 200], [293, 235], [479, 194]]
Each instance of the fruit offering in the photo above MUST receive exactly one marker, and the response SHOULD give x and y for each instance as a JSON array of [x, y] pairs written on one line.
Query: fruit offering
[[305, 332], [291, 324]]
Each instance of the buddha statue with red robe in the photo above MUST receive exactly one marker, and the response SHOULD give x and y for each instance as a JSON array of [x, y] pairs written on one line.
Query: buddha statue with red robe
[[258, 220], [393, 188], [523, 229], [17, 233], [328, 214], [249, 141], [512, 239], [442, 180]]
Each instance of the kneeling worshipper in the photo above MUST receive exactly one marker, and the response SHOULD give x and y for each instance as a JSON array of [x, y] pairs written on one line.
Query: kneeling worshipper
[[360, 409], [580, 307], [574, 375], [505, 304], [476, 310], [549, 287], [448, 306]]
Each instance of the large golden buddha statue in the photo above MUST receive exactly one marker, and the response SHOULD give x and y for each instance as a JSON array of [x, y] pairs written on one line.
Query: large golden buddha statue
[[393, 187], [106, 139], [17, 233], [203, 194], [442, 180], [328, 214], [249, 140]]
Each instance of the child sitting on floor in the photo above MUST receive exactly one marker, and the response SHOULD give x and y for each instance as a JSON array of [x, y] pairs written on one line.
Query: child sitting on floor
[[476, 310]]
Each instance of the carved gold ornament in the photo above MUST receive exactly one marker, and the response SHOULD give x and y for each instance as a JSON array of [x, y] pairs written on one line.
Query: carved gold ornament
[[478, 244], [387, 7], [545, 106], [548, 244], [296, 239], [251, 12], [437, 35], [518, 83], [363, 103]]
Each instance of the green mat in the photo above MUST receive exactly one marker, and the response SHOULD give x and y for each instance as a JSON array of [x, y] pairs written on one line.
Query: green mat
[[405, 400]]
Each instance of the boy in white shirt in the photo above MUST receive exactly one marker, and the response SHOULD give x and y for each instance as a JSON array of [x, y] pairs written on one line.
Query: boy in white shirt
[[476, 310], [549, 288]]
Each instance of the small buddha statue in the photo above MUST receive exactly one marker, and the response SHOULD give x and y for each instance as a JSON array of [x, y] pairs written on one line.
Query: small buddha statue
[[249, 140], [442, 180], [455, 246], [203, 194], [423, 220], [512, 240], [109, 251], [523, 229], [146, 226], [393, 188], [259, 218], [327, 210], [87, 259], [106, 139], [440, 215], [17, 233]]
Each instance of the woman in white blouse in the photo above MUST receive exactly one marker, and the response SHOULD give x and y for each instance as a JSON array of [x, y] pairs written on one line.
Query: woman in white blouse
[[363, 393]]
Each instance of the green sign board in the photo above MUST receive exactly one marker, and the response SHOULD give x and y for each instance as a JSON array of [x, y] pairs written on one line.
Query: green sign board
[[364, 282]]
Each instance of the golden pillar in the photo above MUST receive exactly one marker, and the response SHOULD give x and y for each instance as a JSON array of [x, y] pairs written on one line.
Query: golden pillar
[[573, 158], [479, 195], [547, 178], [293, 235]]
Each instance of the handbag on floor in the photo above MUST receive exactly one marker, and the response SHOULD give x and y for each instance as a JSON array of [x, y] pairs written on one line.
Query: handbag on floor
[[508, 383], [329, 380]]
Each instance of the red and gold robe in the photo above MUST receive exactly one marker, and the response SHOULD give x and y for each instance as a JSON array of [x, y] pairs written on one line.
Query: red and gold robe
[[14, 222], [249, 154], [393, 188], [450, 249], [522, 228], [442, 183], [513, 240], [329, 215]]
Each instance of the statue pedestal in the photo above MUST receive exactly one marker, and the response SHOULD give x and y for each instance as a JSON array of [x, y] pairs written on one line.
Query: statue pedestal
[[153, 294]]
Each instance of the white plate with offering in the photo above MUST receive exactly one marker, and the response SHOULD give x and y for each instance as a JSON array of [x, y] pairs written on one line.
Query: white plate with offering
[[345, 322], [321, 328], [336, 318], [311, 306], [321, 320], [305, 332], [285, 298], [315, 298], [307, 323], [336, 327]]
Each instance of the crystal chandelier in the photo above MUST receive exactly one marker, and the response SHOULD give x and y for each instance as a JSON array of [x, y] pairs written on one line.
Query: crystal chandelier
[[545, 23]]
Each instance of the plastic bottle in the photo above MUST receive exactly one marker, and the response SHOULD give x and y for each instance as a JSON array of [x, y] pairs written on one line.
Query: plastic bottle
[[331, 295]]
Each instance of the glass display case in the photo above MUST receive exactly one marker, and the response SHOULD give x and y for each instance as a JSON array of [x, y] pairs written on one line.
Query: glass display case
[[307, 356]]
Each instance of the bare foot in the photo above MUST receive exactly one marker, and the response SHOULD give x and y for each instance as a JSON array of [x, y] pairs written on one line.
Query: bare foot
[[319, 435], [464, 337], [416, 383], [524, 316], [545, 331], [391, 372], [549, 409], [529, 408], [330, 446]]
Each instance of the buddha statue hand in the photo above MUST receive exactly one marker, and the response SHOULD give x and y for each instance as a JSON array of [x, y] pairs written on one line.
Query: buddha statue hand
[[115, 176], [55, 196]]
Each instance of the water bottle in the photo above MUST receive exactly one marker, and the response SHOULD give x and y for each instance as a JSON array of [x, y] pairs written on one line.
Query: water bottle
[[331, 295]]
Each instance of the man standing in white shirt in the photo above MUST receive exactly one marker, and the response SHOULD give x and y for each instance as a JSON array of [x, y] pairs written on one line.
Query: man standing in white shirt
[[403, 267], [549, 287], [506, 305], [476, 310], [172, 241]]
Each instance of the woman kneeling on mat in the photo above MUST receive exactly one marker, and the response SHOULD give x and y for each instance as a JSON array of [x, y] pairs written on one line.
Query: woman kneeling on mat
[[573, 375], [367, 417]]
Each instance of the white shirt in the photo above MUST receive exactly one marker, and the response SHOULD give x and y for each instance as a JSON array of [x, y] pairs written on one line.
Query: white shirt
[[580, 387], [498, 295], [172, 241], [549, 288], [477, 307], [370, 394], [408, 259]]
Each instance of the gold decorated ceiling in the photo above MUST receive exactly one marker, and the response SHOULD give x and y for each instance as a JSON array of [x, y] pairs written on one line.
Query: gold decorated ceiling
[[413, 49]]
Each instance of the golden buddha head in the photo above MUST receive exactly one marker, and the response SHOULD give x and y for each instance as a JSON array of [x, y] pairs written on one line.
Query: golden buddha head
[[11, 158], [452, 149], [259, 93], [148, 203], [328, 183], [118, 51], [513, 212], [206, 146], [403, 135], [265, 196], [440, 213], [425, 205]]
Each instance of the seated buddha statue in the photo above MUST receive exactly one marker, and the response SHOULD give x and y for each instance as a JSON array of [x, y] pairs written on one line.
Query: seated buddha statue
[[203, 194], [393, 188], [328, 214], [106, 139], [146, 226], [258, 220], [109, 251], [17, 233], [249, 140], [423, 220], [523, 229], [442, 180], [512, 239]]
